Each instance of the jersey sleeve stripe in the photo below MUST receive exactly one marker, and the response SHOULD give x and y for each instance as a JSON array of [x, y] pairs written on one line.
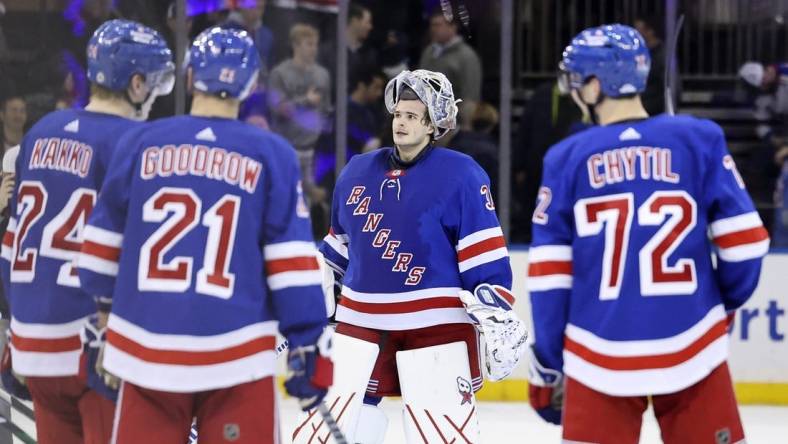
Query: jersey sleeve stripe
[[481, 247], [550, 253], [547, 268], [552, 282], [479, 236], [336, 245], [101, 236], [47, 331], [8, 239], [5, 253], [97, 265], [304, 263], [39, 345], [285, 250], [101, 251], [737, 238], [288, 279], [11, 224], [483, 258], [744, 252]]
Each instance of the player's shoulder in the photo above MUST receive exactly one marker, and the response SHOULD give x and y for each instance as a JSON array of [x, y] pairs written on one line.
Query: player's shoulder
[[688, 124], [456, 162], [560, 153]]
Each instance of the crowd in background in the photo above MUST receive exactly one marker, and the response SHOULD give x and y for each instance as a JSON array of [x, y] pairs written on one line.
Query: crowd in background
[[295, 95]]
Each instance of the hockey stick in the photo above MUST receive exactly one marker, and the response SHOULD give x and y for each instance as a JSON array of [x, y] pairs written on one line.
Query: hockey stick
[[670, 72]]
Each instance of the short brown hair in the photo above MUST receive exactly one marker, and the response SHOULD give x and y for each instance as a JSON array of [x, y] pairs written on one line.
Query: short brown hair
[[101, 92], [302, 31]]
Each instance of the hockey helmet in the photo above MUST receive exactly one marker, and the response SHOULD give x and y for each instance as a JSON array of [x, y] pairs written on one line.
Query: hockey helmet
[[435, 92], [121, 48], [224, 62], [615, 54]]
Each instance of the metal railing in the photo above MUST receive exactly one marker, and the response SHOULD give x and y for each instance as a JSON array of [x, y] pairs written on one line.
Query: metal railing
[[718, 35]]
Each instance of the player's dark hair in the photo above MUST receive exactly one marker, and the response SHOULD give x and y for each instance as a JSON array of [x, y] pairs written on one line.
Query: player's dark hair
[[356, 11], [653, 22], [407, 93], [364, 77]]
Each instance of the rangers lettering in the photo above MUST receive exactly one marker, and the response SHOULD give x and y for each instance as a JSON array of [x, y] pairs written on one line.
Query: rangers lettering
[[363, 207], [354, 195], [373, 220], [390, 247], [381, 237], [415, 275], [403, 260]]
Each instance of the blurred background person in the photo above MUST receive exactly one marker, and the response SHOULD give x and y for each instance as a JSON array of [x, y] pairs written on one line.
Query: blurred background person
[[450, 54], [299, 94], [13, 115]]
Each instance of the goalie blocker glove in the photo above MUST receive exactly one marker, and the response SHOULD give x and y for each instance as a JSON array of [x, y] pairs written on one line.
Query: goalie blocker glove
[[490, 307], [310, 371], [545, 389]]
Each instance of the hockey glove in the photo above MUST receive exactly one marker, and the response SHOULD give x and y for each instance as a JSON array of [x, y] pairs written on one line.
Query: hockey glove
[[99, 380], [330, 284], [545, 389], [12, 382], [310, 371], [504, 333]]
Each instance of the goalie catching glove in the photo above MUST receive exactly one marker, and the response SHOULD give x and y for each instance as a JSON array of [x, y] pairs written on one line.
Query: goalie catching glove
[[490, 307]]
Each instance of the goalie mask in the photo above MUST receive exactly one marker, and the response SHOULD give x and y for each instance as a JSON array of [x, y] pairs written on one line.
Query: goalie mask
[[434, 91]]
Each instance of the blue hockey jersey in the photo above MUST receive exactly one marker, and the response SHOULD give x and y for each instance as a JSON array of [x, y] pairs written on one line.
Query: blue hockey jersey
[[625, 294], [62, 162], [406, 240], [202, 239]]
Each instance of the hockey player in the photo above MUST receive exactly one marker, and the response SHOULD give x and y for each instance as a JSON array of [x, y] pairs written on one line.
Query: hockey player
[[414, 235], [60, 167], [628, 303], [200, 242]]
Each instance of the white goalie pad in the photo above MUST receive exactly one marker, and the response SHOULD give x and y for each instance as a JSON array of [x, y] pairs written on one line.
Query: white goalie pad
[[353, 363], [439, 405]]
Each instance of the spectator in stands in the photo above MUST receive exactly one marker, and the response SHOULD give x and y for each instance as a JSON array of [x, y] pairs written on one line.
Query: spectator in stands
[[13, 115], [364, 124], [549, 116], [448, 53], [770, 84], [479, 142], [298, 96], [360, 56], [652, 29], [249, 16]]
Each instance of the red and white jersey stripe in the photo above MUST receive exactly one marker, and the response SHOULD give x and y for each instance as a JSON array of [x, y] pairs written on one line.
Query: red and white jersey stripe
[[549, 268], [7, 249], [740, 238], [46, 349], [402, 311], [655, 366], [100, 250], [188, 363], [292, 264], [481, 247]]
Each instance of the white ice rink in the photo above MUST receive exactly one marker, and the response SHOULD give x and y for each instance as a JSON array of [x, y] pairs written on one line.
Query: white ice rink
[[507, 422]]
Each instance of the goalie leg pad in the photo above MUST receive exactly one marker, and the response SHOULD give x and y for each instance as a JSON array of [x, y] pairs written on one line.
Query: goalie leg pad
[[439, 405], [372, 425], [353, 362]]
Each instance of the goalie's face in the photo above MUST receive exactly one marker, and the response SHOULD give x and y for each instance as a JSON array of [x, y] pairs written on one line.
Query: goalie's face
[[411, 126]]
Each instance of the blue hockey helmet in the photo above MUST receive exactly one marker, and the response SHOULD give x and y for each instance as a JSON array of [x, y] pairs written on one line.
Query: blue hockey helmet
[[615, 54], [121, 48], [224, 62]]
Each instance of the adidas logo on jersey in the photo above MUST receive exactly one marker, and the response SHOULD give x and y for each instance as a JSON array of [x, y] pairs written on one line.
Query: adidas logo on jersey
[[72, 127], [629, 134], [206, 134]]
